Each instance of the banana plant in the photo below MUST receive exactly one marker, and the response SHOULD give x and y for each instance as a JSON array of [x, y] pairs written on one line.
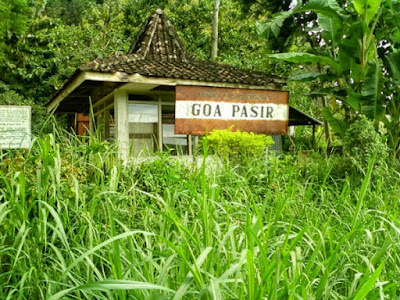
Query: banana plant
[[352, 69], [392, 120]]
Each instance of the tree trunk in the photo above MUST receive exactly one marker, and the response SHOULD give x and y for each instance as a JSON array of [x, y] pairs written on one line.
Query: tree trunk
[[328, 135], [214, 40]]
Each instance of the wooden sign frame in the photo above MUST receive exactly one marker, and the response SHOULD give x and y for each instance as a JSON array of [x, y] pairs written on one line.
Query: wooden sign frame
[[201, 109]]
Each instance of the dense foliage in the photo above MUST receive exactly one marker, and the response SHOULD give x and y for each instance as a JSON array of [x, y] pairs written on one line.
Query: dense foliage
[[237, 146], [42, 43], [354, 50], [50, 39], [354, 46], [362, 143], [76, 224]]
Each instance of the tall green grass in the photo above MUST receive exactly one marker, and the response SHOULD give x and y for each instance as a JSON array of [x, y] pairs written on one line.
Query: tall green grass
[[76, 224]]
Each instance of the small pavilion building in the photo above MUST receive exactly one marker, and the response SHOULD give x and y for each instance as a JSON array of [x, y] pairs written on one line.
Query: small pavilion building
[[132, 96]]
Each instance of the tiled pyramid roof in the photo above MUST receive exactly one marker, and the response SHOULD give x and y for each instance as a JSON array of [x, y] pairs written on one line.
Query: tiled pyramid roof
[[158, 40], [159, 52]]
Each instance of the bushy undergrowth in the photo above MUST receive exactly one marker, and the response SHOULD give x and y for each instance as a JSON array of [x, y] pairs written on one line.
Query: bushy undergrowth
[[76, 224], [362, 143], [237, 146]]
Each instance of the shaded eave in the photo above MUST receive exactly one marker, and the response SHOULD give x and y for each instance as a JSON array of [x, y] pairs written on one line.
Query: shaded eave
[[85, 88], [88, 86], [299, 118]]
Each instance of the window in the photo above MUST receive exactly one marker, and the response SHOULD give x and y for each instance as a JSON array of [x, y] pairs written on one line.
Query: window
[[176, 143], [146, 130], [143, 122]]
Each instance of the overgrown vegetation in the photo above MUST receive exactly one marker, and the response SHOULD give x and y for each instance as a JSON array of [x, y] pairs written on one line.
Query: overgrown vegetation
[[237, 146], [78, 225], [355, 57], [361, 143]]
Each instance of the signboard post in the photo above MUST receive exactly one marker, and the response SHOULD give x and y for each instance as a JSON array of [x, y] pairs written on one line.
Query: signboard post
[[199, 110], [15, 127]]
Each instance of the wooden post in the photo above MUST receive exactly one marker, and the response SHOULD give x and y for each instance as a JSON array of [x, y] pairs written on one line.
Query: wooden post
[[75, 126], [195, 142], [190, 145], [313, 136], [106, 124], [328, 135], [100, 126], [122, 124], [92, 124]]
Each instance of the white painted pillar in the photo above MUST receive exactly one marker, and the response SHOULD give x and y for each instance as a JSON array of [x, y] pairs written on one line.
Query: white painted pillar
[[159, 127], [122, 124]]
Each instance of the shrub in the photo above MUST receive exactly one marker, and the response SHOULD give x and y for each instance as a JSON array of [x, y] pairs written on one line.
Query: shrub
[[361, 142], [156, 174], [238, 146]]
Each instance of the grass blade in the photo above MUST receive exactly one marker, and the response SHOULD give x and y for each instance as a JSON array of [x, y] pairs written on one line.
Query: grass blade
[[369, 284], [113, 285]]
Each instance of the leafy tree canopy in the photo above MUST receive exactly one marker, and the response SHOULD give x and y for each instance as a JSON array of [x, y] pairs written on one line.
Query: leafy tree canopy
[[13, 17]]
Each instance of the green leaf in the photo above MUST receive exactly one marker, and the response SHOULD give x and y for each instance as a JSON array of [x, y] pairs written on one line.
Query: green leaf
[[395, 35], [370, 90], [251, 275], [394, 62], [326, 8], [350, 47], [123, 285], [113, 285], [61, 294], [300, 57], [369, 8], [214, 290], [369, 284], [363, 191], [354, 101], [332, 91], [331, 28], [359, 5], [274, 25], [376, 113], [101, 245], [355, 69], [338, 126], [189, 277], [309, 76], [328, 19]]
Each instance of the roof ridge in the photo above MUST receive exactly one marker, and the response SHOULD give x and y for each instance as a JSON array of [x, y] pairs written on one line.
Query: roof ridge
[[190, 68], [109, 61], [158, 40]]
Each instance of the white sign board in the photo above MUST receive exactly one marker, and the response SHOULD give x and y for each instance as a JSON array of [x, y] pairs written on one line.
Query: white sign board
[[15, 127], [230, 111], [201, 109]]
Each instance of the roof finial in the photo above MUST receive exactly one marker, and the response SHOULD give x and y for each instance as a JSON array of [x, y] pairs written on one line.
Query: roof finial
[[158, 40]]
